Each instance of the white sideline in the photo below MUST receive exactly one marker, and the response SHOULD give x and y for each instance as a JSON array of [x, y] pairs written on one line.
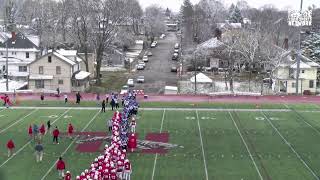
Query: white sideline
[[21, 119], [156, 157], [24, 146], [293, 150], [245, 144], [201, 142], [66, 150]]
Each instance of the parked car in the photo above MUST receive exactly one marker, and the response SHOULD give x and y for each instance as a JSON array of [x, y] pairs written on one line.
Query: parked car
[[149, 53], [142, 63], [176, 50], [145, 59], [174, 69], [176, 46], [140, 79], [124, 90], [162, 36], [130, 83], [153, 45], [175, 56], [140, 67]]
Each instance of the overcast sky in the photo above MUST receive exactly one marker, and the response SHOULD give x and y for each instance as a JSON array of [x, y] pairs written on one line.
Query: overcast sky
[[175, 4]]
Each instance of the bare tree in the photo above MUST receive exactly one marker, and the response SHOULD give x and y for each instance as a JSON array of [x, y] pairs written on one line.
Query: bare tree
[[154, 21]]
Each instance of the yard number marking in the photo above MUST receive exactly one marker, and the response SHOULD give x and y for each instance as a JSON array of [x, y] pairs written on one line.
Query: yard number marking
[[203, 118], [52, 116], [190, 117], [66, 117], [271, 118]]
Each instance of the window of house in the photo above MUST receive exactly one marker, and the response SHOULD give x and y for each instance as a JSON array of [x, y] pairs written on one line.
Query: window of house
[[302, 71], [27, 55], [1, 53], [40, 69], [311, 83], [39, 84], [60, 81], [58, 70], [49, 59], [293, 85], [13, 53], [22, 68]]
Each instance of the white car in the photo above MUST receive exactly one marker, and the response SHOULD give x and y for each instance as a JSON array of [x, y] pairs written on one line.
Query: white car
[[140, 67], [176, 51], [140, 79], [130, 83], [176, 46], [153, 45], [124, 90], [145, 59], [142, 63], [162, 36]]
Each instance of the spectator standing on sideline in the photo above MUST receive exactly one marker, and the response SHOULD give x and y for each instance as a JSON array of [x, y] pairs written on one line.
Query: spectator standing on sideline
[[112, 103], [42, 98], [98, 98], [116, 101], [65, 98], [78, 97], [103, 106], [39, 151], [10, 146], [48, 126], [107, 98], [55, 134], [58, 92], [61, 166]]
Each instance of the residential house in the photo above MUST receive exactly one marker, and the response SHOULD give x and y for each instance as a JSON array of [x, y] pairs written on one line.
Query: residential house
[[21, 52], [58, 69], [286, 71]]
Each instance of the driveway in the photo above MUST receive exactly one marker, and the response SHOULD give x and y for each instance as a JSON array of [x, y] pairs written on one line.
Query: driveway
[[157, 72]]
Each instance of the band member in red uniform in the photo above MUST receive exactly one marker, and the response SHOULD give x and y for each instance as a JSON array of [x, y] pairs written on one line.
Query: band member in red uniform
[[55, 134], [61, 166], [42, 130], [70, 130], [30, 131], [127, 169], [10, 147], [67, 176], [132, 142]]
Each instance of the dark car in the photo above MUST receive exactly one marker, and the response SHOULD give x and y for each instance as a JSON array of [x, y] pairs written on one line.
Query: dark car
[[175, 56], [174, 69]]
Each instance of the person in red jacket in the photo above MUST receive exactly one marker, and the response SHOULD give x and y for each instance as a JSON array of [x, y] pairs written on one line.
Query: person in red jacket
[[10, 147], [132, 144], [61, 166], [30, 131], [55, 134], [42, 130], [70, 130], [67, 176]]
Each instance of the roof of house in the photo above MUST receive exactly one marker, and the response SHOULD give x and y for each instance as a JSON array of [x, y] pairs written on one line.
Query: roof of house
[[210, 44], [288, 61], [69, 61], [21, 42], [65, 59]]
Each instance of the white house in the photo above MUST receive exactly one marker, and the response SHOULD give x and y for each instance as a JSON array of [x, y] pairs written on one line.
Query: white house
[[21, 52]]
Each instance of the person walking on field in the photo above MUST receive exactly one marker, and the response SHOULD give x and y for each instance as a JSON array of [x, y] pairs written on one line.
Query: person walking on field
[[110, 125], [68, 176], [70, 130], [107, 98], [112, 103], [116, 101], [10, 147], [55, 134], [48, 126], [61, 166], [65, 98], [103, 106], [39, 151], [35, 131]]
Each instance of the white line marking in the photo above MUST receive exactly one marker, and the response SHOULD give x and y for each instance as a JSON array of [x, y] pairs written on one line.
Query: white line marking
[[66, 150], [156, 157], [293, 150], [5, 162], [21, 119], [245, 144], [201, 142]]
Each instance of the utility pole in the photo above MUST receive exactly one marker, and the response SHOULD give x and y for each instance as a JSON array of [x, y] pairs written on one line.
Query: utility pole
[[298, 55], [7, 63], [195, 74]]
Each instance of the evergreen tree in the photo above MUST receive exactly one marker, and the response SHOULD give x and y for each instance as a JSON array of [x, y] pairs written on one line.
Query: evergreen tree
[[235, 15], [311, 47], [187, 10]]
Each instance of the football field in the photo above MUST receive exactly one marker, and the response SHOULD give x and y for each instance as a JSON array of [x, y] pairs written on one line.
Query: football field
[[270, 142]]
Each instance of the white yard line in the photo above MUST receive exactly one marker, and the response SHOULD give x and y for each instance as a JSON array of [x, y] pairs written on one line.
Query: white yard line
[[24, 146], [66, 150], [202, 148], [156, 157], [245, 144], [21, 119], [293, 150]]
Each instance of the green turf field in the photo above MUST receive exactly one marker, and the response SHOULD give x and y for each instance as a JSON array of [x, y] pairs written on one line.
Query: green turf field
[[230, 144]]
